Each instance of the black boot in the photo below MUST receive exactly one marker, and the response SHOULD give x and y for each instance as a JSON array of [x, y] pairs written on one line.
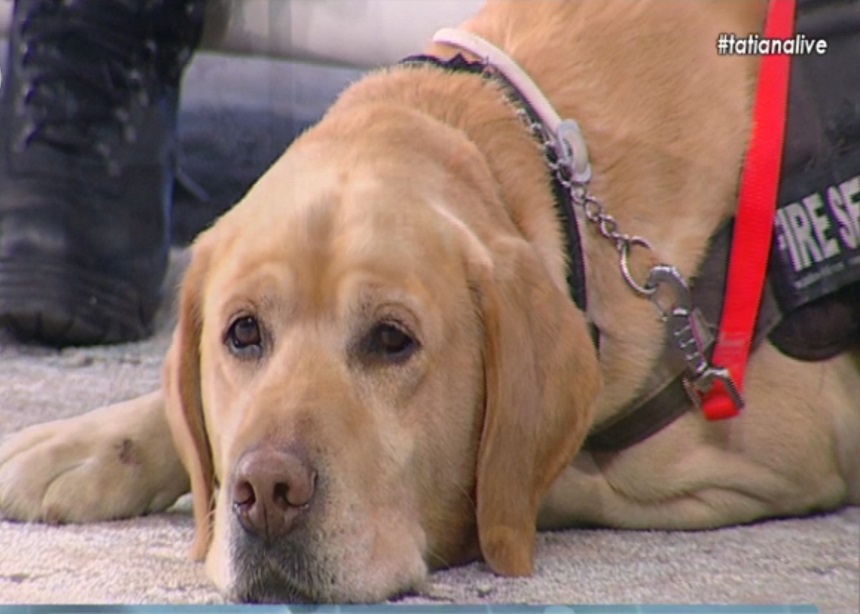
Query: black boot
[[87, 154]]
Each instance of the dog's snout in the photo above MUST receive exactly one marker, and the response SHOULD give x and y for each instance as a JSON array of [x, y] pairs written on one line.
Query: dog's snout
[[270, 489]]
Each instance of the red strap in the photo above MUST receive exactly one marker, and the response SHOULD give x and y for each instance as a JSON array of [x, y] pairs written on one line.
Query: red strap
[[754, 219]]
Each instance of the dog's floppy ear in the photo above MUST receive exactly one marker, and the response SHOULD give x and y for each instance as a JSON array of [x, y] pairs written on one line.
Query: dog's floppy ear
[[183, 399], [542, 379]]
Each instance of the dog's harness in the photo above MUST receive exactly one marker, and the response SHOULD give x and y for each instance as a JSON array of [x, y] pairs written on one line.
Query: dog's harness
[[684, 373], [810, 306]]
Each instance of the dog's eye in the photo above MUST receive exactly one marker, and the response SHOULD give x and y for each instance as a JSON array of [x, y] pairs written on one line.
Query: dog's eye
[[244, 335], [390, 342]]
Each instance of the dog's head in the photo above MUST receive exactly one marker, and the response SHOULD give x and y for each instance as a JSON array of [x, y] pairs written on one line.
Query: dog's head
[[372, 373]]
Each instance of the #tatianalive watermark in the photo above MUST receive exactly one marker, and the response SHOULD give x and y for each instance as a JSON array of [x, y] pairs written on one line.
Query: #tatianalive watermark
[[753, 44]]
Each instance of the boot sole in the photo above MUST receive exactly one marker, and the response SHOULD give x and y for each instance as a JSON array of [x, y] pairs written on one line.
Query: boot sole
[[63, 305]]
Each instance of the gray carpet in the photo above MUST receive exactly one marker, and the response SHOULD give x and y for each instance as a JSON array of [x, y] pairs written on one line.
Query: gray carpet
[[238, 115]]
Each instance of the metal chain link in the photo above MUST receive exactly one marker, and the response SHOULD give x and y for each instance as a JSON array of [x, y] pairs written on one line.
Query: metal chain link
[[592, 208]]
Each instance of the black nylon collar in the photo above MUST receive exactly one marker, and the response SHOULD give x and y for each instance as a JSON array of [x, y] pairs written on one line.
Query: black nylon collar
[[564, 206]]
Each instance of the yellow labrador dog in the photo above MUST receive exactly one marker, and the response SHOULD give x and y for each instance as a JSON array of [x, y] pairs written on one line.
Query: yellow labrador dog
[[378, 370]]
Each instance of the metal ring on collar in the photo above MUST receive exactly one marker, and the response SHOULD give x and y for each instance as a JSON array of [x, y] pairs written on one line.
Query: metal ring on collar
[[624, 263]]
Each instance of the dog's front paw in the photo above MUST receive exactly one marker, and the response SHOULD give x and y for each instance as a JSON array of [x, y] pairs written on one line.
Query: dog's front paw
[[114, 462]]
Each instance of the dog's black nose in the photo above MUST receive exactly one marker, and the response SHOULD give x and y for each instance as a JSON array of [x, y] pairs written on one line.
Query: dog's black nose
[[270, 489]]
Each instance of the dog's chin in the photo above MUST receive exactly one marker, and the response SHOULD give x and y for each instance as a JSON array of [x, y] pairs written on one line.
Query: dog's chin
[[273, 572], [276, 574], [270, 591], [278, 590]]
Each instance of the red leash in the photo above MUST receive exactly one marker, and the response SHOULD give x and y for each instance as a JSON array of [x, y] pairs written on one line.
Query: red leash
[[754, 218]]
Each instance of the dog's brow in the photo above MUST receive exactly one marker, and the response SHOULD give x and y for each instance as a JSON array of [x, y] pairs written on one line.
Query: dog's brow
[[319, 218]]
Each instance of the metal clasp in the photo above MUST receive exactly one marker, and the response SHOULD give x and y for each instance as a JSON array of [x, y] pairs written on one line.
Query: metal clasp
[[697, 388], [690, 334]]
